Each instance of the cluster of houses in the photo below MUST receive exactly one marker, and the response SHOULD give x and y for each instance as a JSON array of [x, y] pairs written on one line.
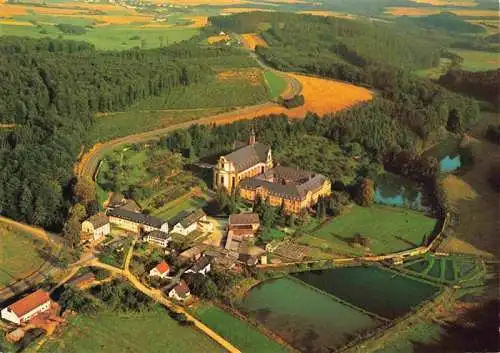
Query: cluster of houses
[[125, 214]]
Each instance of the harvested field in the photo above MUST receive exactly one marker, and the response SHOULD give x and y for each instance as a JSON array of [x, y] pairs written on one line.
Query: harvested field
[[461, 3], [329, 14], [254, 76], [426, 11], [328, 96], [198, 21], [12, 10], [251, 40], [217, 39]]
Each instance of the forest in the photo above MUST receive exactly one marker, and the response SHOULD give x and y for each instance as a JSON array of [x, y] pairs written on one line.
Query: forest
[[50, 92]]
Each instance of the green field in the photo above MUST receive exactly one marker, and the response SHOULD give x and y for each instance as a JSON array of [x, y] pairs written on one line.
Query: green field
[[388, 229], [170, 210], [304, 317], [112, 125], [110, 332], [241, 334], [275, 83], [422, 332], [479, 60], [353, 283], [19, 256], [111, 37]]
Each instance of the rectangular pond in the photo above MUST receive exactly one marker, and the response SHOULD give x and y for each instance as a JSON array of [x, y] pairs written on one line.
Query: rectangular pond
[[305, 318], [376, 290]]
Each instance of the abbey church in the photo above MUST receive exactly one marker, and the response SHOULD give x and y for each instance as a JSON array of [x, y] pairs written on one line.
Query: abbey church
[[249, 172]]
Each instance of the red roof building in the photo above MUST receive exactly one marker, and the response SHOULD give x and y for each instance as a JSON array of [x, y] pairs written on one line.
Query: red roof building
[[28, 307]]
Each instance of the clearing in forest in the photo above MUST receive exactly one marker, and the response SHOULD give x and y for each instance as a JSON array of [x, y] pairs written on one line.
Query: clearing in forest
[[251, 40]]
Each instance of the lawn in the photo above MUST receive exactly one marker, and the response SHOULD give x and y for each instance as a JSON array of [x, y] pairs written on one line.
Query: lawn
[[110, 332], [478, 60], [243, 335], [173, 208], [19, 255], [388, 229], [275, 83]]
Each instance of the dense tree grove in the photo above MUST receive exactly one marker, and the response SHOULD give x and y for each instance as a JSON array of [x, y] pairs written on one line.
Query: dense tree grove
[[50, 91]]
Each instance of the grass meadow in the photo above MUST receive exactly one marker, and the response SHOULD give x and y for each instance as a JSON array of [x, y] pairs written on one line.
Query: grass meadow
[[19, 255], [110, 332], [243, 335], [475, 60], [275, 83], [388, 230]]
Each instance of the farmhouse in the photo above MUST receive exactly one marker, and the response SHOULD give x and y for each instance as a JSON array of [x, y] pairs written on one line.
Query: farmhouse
[[248, 161], [180, 292], [187, 222], [158, 237], [241, 227], [203, 266], [27, 308], [161, 270], [96, 227], [193, 253], [293, 188], [135, 221]]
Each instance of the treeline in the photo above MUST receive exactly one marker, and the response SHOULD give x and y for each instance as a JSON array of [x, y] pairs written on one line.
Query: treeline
[[313, 43], [50, 90], [445, 21], [484, 85]]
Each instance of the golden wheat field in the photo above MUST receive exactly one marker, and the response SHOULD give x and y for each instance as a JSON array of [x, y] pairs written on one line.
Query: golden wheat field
[[460, 3], [251, 40], [217, 39], [254, 76], [425, 11]]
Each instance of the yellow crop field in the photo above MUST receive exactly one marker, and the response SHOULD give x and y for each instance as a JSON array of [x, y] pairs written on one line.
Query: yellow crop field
[[461, 3], [329, 14], [216, 39], [198, 21], [12, 10], [203, 2], [426, 11], [96, 6], [328, 96], [15, 23], [251, 40]]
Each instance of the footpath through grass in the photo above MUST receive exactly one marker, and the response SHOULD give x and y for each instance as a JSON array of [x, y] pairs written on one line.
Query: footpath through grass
[[19, 255], [275, 83], [240, 333], [110, 332], [388, 229]]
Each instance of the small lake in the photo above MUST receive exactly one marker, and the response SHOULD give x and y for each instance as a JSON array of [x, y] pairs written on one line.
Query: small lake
[[450, 164], [307, 319], [393, 190], [385, 293], [448, 154]]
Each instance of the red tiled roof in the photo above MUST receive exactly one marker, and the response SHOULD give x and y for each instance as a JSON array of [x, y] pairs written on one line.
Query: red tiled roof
[[30, 302], [162, 267], [182, 289]]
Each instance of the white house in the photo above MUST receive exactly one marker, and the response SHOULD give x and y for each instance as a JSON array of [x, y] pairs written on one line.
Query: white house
[[135, 221], [203, 266], [158, 237], [187, 222], [97, 225], [161, 270], [28, 307], [180, 292]]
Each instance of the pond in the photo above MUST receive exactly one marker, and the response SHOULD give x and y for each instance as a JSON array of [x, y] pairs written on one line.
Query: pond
[[393, 190], [447, 153], [449, 164], [385, 293], [307, 319]]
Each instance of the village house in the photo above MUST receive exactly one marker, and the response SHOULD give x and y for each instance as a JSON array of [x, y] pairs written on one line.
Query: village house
[[158, 237], [95, 227], [241, 227], [161, 270], [248, 161], [180, 292], [202, 266], [117, 200], [187, 222], [290, 188], [193, 253], [135, 221], [27, 308]]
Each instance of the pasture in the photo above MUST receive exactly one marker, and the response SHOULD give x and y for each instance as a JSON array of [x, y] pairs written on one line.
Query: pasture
[[387, 229], [353, 283], [276, 84], [19, 255], [475, 60], [306, 318], [110, 332], [243, 335]]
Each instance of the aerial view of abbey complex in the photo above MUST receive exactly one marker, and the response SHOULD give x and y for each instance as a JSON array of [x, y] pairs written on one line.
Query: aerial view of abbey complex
[[249, 176]]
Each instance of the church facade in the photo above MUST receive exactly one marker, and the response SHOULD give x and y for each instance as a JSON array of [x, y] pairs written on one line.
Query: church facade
[[249, 171]]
